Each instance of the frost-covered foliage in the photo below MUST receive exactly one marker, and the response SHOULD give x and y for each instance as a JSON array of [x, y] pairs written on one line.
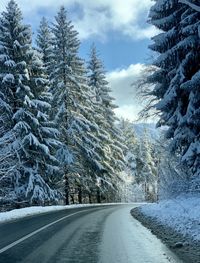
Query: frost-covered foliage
[[141, 158], [194, 4], [173, 178], [176, 79], [147, 172], [113, 140], [131, 189], [57, 131], [75, 111], [45, 45], [131, 145], [24, 88], [72, 108]]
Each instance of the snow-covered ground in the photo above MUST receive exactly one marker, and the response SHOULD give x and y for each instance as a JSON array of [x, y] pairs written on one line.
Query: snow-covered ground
[[182, 214], [33, 210]]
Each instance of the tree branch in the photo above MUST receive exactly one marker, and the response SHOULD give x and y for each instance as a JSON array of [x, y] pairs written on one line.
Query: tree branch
[[190, 4]]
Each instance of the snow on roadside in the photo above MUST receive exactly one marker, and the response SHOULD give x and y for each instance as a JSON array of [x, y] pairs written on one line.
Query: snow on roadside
[[181, 214], [34, 210]]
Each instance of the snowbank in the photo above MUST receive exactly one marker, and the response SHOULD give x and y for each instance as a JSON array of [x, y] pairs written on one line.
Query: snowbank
[[182, 214], [33, 210]]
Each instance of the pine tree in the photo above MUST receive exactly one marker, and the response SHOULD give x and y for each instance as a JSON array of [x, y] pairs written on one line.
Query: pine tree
[[194, 4], [167, 18], [45, 45], [131, 144], [187, 133], [177, 77], [47, 132], [72, 105], [104, 107], [172, 178], [21, 74], [148, 170]]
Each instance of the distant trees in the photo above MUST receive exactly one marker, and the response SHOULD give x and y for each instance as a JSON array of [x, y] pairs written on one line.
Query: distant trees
[[141, 161], [148, 172], [58, 136], [173, 179]]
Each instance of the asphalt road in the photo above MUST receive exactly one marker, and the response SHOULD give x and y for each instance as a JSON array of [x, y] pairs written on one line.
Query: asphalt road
[[105, 234]]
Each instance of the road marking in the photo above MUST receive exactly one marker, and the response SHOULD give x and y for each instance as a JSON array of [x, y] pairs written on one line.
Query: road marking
[[37, 231]]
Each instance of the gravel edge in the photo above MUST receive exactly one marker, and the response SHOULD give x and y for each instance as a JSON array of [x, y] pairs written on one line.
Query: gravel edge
[[185, 248]]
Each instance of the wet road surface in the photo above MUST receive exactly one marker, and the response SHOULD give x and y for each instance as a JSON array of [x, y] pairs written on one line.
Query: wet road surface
[[103, 234]]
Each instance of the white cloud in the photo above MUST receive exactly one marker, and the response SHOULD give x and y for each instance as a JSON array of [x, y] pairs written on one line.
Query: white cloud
[[102, 16], [96, 17], [120, 81], [127, 112]]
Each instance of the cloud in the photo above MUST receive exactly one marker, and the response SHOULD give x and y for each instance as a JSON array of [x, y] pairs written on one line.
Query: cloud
[[95, 18], [127, 112], [120, 81], [102, 16]]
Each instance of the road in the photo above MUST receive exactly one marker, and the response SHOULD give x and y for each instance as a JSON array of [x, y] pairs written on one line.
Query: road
[[105, 234]]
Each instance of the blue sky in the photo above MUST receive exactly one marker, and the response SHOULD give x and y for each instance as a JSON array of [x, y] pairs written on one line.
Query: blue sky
[[120, 32], [118, 53]]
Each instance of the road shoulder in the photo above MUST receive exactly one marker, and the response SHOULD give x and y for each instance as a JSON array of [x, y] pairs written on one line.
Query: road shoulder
[[185, 248]]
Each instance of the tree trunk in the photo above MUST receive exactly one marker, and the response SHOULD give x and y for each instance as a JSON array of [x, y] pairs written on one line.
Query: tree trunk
[[146, 189], [98, 196], [80, 195], [72, 199], [90, 198], [66, 190]]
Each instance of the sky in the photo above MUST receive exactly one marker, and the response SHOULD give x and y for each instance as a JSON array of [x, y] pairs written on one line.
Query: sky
[[120, 31]]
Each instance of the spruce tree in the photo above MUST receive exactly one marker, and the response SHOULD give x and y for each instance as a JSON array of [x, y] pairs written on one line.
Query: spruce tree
[[194, 4], [187, 133], [131, 144], [45, 45], [104, 107], [177, 77], [72, 106], [148, 170], [21, 74]]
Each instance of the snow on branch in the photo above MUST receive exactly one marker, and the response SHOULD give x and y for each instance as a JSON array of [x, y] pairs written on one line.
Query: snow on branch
[[190, 4]]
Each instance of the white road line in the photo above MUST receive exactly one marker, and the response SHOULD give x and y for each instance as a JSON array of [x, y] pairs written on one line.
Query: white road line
[[37, 231]]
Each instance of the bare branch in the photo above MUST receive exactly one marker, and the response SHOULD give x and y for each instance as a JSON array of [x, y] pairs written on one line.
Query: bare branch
[[144, 94]]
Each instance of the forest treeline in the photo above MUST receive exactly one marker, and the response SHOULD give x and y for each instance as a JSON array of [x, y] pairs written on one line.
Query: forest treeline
[[60, 141], [58, 134]]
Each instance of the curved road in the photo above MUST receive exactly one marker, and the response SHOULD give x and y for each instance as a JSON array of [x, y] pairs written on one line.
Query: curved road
[[103, 234]]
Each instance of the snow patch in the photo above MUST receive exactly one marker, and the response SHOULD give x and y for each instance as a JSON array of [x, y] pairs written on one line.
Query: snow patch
[[181, 214], [34, 210]]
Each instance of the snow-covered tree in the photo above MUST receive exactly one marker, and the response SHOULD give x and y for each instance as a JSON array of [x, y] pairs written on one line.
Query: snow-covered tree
[[131, 144], [72, 105], [45, 45], [104, 107], [146, 167], [172, 177], [47, 131], [187, 133], [23, 89], [141, 161], [194, 4], [177, 77]]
